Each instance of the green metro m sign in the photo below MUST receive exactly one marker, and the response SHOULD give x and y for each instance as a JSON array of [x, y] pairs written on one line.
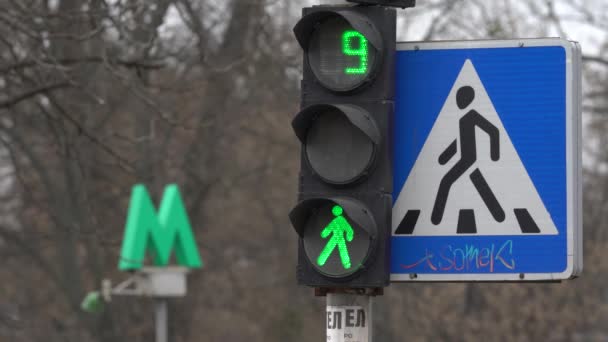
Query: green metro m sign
[[158, 234]]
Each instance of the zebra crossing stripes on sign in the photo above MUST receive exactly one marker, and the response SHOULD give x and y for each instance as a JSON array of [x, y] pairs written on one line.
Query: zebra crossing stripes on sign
[[487, 161]]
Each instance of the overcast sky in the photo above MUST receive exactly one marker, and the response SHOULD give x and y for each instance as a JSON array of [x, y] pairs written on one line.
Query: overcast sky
[[414, 23]]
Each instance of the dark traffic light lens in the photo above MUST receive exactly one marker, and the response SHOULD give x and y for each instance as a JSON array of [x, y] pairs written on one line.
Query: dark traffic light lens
[[340, 57], [335, 245], [338, 152]]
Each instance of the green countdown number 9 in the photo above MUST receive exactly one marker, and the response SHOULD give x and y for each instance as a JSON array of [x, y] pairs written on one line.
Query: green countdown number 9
[[361, 51]]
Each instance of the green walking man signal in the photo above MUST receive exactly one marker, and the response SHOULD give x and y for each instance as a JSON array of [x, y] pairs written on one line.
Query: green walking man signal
[[158, 234], [339, 227]]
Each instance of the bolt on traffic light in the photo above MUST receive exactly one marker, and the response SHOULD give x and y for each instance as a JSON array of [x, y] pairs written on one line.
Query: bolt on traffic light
[[345, 184]]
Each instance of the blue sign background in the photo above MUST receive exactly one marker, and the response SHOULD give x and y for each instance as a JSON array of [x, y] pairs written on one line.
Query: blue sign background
[[528, 89]]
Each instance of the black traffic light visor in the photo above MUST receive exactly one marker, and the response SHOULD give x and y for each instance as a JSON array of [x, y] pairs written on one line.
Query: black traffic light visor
[[304, 28], [358, 116], [354, 210]]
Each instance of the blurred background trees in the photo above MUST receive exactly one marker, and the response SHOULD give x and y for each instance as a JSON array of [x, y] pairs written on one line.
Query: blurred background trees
[[97, 95]]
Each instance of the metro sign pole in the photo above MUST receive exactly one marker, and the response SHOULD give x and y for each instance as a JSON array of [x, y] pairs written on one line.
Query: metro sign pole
[[159, 235], [343, 215]]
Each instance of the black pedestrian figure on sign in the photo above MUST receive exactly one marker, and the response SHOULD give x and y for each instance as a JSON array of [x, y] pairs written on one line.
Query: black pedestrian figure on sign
[[468, 157]]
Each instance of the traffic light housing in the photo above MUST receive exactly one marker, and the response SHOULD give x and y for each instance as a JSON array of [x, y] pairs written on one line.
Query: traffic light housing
[[343, 216]]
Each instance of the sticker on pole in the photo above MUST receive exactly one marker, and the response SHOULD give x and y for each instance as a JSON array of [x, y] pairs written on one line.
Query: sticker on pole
[[487, 160], [347, 324]]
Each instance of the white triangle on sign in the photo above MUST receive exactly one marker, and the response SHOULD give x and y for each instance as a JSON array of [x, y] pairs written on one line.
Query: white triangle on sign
[[466, 211]]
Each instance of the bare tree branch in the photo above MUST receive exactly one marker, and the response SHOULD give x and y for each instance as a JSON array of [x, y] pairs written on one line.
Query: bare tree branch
[[596, 59], [43, 89], [64, 62]]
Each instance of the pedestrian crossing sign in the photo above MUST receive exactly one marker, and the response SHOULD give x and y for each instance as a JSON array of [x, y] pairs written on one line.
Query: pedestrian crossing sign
[[487, 160]]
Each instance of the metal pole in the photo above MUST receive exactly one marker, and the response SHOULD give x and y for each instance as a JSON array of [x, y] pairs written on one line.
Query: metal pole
[[349, 317], [160, 311]]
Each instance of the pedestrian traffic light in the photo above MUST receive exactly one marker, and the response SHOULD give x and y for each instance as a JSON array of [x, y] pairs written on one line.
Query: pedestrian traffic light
[[345, 187]]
